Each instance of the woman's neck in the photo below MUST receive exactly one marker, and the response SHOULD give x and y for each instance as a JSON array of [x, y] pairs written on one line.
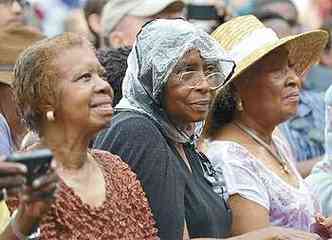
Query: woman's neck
[[70, 149], [263, 129]]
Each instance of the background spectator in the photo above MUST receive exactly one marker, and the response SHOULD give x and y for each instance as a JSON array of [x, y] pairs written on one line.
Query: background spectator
[[13, 12], [13, 40], [92, 13], [75, 23], [319, 77], [115, 63], [122, 19]]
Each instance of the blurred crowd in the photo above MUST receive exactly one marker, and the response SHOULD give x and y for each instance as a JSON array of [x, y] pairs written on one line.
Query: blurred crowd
[[167, 119]]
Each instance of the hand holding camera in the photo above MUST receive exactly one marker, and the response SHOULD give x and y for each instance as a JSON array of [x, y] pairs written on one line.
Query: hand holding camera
[[32, 177], [12, 178]]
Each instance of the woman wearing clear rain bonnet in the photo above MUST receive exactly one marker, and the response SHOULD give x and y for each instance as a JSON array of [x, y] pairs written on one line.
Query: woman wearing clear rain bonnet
[[244, 144], [173, 72]]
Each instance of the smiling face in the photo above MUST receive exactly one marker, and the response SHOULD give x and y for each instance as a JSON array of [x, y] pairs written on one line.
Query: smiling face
[[183, 103], [273, 93], [85, 99]]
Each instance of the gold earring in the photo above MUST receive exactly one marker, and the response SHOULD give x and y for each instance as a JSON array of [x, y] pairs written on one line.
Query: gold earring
[[50, 116], [239, 105]]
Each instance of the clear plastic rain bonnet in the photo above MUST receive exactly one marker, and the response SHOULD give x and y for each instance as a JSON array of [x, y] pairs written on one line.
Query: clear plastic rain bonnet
[[159, 46]]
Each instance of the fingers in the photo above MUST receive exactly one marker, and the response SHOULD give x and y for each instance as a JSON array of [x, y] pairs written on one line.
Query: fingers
[[44, 180], [319, 218], [327, 222], [47, 193], [42, 189], [9, 168], [12, 182]]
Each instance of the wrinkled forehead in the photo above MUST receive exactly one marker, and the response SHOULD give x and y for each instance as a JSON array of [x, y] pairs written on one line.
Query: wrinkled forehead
[[275, 60], [167, 40], [165, 34], [193, 57]]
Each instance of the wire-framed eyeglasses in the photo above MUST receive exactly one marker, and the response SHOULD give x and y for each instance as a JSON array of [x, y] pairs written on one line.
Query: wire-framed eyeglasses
[[193, 78]]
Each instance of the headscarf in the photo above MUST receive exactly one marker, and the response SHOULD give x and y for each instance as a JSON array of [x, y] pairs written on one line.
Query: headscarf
[[159, 46]]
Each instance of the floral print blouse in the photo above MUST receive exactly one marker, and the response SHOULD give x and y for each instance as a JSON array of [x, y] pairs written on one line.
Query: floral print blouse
[[247, 176]]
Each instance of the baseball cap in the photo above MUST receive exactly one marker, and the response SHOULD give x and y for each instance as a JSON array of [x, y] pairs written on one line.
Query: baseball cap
[[115, 10]]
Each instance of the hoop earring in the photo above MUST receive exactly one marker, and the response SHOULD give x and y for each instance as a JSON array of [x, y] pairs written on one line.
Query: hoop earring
[[50, 116]]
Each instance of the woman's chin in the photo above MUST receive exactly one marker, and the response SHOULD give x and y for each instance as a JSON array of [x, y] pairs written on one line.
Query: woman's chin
[[99, 124], [289, 114]]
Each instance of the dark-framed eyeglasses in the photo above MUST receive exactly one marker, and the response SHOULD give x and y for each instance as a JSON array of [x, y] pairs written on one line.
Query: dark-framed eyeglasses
[[9, 3]]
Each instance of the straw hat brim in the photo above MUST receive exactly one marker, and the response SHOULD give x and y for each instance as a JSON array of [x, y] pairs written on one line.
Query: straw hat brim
[[304, 50], [7, 78]]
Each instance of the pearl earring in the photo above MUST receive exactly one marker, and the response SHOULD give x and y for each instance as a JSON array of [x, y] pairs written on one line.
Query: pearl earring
[[239, 105], [50, 116]]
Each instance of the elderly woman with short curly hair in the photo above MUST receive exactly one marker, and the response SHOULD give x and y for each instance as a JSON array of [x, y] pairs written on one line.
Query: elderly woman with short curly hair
[[65, 100]]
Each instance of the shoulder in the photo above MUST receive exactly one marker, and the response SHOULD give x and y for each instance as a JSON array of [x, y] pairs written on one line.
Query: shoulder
[[133, 119], [114, 167], [130, 124], [228, 151], [110, 161], [231, 157]]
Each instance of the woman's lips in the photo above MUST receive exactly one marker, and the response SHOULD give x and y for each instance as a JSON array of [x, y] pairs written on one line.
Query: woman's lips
[[201, 105], [292, 97], [104, 107]]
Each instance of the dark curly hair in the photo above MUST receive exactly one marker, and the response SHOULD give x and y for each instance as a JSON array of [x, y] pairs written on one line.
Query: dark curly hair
[[115, 63], [222, 111]]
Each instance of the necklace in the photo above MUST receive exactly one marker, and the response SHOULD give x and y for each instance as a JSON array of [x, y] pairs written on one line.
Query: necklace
[[278, 156]]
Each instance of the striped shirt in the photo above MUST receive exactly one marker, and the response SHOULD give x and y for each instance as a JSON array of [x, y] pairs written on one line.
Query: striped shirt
[[305, 131]]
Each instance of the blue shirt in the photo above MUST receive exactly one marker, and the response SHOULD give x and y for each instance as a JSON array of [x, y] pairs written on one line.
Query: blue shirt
[[6, 142], [305, 131]]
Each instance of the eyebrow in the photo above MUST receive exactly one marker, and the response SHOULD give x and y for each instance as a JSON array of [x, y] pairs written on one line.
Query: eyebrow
[[88, 68]]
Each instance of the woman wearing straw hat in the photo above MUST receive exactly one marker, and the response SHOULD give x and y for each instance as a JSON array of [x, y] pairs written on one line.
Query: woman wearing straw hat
[[257, 165]]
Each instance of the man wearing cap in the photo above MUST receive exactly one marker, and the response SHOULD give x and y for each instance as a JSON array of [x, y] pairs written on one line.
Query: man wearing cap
[[12, 12], [122, 19]]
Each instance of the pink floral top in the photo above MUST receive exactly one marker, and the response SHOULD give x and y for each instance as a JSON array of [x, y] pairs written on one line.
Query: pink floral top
[[246, 175]]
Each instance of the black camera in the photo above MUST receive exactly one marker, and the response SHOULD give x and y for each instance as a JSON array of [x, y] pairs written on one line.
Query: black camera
[[37, 162]]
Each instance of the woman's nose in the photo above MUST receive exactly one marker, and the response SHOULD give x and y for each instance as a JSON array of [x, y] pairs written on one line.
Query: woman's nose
[[293, 79], [203, 84], [17, 8], [102, 86]]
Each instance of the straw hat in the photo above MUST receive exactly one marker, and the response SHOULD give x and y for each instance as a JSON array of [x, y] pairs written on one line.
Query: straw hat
[[13, 40], [247, 40]]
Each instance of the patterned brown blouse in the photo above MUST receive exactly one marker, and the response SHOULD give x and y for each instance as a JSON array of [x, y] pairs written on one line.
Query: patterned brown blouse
[[125, 214]]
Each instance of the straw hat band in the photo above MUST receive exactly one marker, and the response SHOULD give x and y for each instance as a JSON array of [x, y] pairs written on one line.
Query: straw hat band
[[254, 41]]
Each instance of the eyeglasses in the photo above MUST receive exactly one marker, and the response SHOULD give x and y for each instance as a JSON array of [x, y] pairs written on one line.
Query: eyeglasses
[[9, 3], [194, 78]]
